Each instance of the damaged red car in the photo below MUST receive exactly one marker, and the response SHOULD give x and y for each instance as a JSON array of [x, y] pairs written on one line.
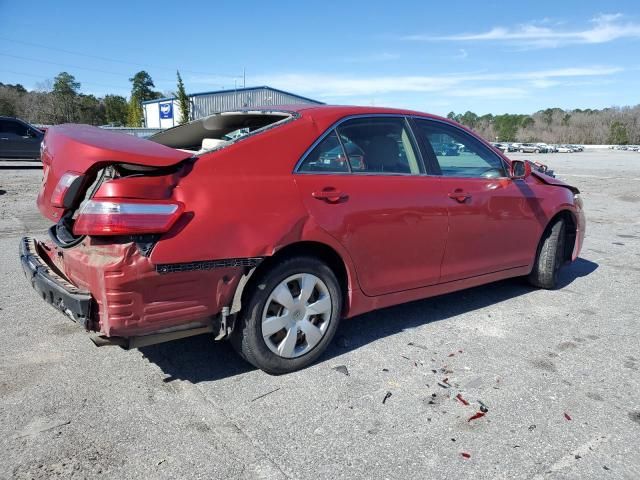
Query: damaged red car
[[267, 227]]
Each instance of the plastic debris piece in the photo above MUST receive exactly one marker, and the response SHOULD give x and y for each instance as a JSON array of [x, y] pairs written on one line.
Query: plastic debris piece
[[483, 407], [566, 415], [265, 394], [405, 357], [342, 369], [532, 428], [605, 467], [466, 455], [476, 416], [461, 400], [443, 385], [459, 351], [386, 397], [451, 354], [385, 369]]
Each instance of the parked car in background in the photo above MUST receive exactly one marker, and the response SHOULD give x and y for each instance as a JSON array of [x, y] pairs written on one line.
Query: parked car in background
[[565, 149], [317, 213], [544, 147], [577, 148], [529, 148], [19, 140]]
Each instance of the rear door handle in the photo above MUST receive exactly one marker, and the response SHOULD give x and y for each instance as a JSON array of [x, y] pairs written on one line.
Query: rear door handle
[[459, 195], [330, 195]]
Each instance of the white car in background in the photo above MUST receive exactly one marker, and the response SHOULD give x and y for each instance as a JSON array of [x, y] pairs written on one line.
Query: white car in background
[[564, 149]]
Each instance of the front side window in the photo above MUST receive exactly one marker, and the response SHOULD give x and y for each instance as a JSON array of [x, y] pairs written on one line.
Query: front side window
[[458, 154], [379, 145]]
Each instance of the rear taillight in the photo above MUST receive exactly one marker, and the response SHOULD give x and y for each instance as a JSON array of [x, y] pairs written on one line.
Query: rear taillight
[[65, 182], [126, 217]]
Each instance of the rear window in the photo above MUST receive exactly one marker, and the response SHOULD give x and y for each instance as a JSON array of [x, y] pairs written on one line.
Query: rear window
[[218, 130]]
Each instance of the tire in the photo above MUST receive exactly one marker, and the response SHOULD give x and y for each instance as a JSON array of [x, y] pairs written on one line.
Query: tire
[[550, 257], [261, 305], [536, 151]]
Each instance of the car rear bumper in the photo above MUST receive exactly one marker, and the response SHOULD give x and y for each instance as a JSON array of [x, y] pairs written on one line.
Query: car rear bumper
[[114, 289], [72, 301]]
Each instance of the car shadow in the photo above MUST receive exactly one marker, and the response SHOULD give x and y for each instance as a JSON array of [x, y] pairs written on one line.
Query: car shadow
[[199, 359]]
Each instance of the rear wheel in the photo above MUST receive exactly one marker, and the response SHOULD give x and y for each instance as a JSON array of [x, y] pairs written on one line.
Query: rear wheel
[[550, 257], [290, 316]]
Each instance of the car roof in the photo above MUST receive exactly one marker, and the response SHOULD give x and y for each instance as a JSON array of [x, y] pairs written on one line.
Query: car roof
[[346, 110]]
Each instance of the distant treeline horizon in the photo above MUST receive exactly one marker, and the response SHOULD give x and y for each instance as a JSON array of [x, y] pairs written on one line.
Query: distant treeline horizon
[[60, 101]]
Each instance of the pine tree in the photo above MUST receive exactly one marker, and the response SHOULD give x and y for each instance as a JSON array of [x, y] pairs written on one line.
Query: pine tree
[[183, 101]]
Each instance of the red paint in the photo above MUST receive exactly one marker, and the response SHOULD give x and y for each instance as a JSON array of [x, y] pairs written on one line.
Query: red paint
[[400, 237], [461, 399], [466, 455], [476, 416]]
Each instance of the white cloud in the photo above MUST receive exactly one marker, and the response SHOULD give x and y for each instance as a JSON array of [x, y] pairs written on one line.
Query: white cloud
[[324, 85], [371, 58], [605, 28]]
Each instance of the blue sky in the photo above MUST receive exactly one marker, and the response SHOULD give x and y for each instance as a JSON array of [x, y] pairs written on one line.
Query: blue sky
[[433, 56]]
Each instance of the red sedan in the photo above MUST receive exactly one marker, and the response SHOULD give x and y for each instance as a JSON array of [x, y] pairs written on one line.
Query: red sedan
[[267, 227]]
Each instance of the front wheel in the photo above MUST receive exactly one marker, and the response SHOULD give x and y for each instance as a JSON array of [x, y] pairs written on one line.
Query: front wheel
[[550, 257], [290, 316]]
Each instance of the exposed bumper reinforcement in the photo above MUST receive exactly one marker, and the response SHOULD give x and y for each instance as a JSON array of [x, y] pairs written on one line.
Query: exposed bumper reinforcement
[[66, 297]]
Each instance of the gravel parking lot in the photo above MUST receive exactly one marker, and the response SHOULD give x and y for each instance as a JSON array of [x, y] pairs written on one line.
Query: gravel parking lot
[[558, 373]]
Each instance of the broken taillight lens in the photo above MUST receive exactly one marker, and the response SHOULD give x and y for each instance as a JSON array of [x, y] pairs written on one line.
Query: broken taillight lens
[[109, 217], [57, 197]]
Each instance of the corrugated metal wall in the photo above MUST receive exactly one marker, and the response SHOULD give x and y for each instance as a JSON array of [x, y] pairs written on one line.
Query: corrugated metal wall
[[203, 105]]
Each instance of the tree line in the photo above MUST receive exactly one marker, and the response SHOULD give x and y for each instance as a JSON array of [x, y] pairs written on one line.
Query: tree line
[[615, 125], [60, 101]]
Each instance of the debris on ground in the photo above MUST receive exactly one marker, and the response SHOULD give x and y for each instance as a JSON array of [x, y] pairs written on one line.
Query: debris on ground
[[411, 344], [342, 369], [461, 399], [476, 416], [386, 397], [483, 407], [385, 369], [265, 394], [466, 455], [566, 415], [443, 385], [532, 428]]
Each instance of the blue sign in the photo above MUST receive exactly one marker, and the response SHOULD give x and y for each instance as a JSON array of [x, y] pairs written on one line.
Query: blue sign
[[166, 110]]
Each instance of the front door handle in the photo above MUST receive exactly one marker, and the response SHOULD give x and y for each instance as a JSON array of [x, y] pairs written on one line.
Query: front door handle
[[459, 195], [330, 195]]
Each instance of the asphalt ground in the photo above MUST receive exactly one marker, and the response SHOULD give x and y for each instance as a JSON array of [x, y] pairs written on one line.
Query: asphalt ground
[[556, 371]]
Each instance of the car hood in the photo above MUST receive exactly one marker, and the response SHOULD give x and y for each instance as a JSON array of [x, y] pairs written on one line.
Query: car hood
[[553, 181]]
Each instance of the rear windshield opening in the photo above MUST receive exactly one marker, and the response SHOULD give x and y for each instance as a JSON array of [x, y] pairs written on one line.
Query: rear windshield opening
[[218, 130]]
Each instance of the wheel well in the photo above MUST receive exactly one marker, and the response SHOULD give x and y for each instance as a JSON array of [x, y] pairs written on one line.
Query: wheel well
[[570, 231], [318, 250]]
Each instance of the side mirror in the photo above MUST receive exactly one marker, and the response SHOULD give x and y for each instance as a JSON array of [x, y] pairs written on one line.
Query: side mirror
[[520, 169]]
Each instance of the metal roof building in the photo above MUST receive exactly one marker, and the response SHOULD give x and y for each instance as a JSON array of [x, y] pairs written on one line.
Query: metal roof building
[[165, 113]]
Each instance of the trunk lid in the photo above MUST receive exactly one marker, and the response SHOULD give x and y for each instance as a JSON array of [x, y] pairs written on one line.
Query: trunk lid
[[84, 150]]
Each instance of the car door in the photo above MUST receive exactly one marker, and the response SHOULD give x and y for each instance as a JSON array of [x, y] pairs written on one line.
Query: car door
[[494, 221], [19, 140], [363, 183], [8, 140]]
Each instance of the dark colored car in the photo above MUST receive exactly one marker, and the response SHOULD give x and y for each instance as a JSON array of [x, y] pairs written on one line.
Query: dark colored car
[[19, 140], [314, 214]]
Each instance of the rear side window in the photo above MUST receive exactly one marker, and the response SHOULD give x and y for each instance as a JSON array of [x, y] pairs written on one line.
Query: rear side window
[[458, 154], [11, 126], [379, 145], [327, 157]]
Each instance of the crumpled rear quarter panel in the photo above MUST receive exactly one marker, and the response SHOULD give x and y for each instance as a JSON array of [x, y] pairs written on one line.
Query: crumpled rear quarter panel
[[132, 298]]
